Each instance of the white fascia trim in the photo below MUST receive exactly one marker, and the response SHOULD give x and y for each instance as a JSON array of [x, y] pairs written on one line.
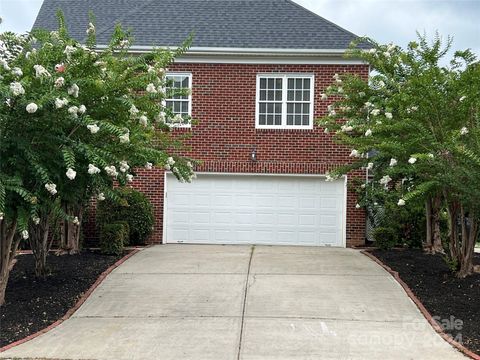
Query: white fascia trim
[[222, 55], [239, 51]]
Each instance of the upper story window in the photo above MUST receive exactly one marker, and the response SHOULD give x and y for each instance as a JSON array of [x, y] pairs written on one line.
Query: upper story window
[[284, 101], [179, 98]]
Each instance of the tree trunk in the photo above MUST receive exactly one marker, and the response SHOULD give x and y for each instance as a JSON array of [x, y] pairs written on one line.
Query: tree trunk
[[40, 244], [9, 242], [453, 245], [469, 237], [428, 216], [437, 246], [70, 232], [433, 241]]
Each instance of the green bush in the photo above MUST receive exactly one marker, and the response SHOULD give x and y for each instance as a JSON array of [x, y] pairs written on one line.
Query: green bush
[[133, 208], [112, 238], [385, 237], [126, 240]]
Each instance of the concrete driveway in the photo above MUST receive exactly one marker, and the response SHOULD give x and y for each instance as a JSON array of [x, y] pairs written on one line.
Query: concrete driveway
[[243, 302]]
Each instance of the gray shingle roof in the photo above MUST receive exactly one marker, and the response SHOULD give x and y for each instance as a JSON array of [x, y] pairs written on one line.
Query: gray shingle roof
[[271, 24]]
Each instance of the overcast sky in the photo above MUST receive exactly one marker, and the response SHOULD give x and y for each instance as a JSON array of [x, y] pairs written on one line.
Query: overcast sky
[[383, 20]]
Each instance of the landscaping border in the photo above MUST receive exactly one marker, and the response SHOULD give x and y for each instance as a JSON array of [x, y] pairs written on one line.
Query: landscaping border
[[79, 303], [422, 308]]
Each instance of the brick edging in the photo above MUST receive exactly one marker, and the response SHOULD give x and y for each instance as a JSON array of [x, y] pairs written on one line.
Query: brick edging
[[422, 308], [79, 303]]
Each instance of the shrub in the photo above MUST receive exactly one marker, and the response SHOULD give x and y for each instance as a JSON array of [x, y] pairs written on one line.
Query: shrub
[[133, 208], [112, 238], [385, 237], [126, 240]]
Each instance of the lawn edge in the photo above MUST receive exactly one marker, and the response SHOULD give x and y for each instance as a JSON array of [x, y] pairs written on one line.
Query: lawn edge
[[75, 307], [422, 308]]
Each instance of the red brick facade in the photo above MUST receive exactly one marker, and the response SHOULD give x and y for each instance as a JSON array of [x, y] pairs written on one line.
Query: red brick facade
[[224, 104]]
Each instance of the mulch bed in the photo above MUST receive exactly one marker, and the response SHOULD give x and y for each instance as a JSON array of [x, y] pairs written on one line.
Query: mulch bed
[[32, 304], [442, 294]]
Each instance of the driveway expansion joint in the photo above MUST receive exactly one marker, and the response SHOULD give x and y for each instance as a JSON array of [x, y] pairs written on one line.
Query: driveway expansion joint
[[245, 303]]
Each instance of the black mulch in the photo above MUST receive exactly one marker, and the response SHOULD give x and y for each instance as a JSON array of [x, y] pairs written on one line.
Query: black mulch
[[444, 295], [32, 304]]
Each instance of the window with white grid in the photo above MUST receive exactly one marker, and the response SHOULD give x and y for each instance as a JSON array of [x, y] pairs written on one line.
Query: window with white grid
[[285, 101], [180, 104]]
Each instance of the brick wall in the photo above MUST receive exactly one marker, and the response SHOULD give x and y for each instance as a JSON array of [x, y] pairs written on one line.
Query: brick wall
[[224, 104]]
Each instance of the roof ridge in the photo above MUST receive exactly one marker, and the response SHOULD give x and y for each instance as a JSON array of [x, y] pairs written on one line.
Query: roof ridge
[[321, 17]]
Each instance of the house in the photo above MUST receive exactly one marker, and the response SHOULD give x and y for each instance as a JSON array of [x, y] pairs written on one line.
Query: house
[[256, 70]]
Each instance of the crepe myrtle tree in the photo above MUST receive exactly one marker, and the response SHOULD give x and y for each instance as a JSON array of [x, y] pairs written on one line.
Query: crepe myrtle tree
[[414, 126], [74, 122]]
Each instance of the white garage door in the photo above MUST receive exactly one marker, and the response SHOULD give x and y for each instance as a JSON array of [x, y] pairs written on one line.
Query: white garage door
[[248, 209]]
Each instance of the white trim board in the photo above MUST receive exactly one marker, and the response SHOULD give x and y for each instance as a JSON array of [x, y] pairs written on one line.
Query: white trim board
[[222, 55]]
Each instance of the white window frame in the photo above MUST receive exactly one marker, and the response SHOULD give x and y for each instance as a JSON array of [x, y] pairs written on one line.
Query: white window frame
[[285, 77], [190, 82]]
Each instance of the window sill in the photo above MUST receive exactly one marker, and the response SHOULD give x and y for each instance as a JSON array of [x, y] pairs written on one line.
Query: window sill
[[285, 129]]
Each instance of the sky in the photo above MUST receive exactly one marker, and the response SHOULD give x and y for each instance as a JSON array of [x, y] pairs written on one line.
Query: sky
[[383, 20]]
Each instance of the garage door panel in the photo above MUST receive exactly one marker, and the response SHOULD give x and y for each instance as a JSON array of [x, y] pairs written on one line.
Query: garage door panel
[[228, 209], [287, 202], [265, 201]]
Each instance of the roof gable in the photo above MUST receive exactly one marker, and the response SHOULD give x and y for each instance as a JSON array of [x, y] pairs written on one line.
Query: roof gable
[[266, 24]]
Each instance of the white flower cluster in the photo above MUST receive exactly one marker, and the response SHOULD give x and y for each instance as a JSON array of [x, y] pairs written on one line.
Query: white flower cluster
[[124, 43], [161, 117], [51, 188], [329, 177], [355, 153], [17, 89], [111, 170], [75, 221], [124, 167], [17, 72], [90, 29], [59, 103], [368, 132], [40, 71], [463, 131], [346, 128], [412, 160], [170, 163], [69, 50], [143, 120], [73, 90], [133, 111], [177, 119], [71, 174], [412, 109], [385, 180], [59, 82], [125, 138], [94, 128], [31, 108], [149, 166], [151, 89], [101, 197], [393, 162], [92, 169]]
